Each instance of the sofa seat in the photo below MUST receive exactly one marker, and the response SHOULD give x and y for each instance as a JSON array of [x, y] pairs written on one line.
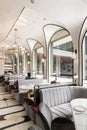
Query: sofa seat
[[63, 110]]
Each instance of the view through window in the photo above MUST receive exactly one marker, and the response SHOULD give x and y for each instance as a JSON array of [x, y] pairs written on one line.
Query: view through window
[[62, 51]]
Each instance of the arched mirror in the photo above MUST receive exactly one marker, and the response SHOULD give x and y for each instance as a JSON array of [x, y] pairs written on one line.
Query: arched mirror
[[20, 64], [18, 61], [14, 62], [10, 64], [27, 62], [61, 57], [38, 58]]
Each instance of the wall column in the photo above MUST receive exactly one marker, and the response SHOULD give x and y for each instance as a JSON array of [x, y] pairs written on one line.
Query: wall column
[[17, 57], [23, 62]]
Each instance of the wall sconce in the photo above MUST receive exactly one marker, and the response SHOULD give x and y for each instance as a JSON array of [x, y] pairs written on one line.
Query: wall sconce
[[74, 53], [20, 63], [75, 77], [14, 64], [43, 58], [28, 54], [28, 62]]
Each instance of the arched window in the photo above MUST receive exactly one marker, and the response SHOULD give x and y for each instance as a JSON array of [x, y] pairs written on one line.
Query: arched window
[[61, 57]]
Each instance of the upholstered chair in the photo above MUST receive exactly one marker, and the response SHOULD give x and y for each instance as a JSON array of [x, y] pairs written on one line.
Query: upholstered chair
[[43, 119]]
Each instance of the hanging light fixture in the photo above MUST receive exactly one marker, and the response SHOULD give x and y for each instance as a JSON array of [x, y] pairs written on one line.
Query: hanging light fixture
[[15, 47], [74, 53]]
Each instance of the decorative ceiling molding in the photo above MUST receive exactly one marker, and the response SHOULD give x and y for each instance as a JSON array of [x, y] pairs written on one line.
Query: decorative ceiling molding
[[13, 25]]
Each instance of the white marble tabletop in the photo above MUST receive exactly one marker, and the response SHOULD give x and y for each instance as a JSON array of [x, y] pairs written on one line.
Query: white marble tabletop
[[79, 108]]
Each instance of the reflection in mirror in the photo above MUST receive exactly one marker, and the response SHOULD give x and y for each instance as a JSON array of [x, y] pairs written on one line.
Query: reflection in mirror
[[61, 57], [8, 64], [38, 69], [27, 62], [18, 62]]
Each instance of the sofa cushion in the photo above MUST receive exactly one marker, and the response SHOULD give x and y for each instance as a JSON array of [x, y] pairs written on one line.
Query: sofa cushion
[[63, 110]]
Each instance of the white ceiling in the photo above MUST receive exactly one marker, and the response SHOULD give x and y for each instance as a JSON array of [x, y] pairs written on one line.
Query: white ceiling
[[29, 18]]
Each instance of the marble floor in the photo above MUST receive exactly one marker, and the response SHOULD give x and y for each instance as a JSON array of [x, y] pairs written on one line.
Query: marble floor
[[12, 113]]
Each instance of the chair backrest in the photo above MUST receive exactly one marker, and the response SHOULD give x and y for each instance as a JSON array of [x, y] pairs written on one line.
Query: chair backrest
[[45, 115]]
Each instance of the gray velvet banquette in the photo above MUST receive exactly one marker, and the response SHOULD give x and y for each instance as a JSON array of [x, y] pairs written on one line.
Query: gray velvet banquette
[[58, 99]]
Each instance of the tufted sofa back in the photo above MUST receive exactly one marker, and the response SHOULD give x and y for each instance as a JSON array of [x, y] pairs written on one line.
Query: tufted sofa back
[[59, 95], [55, 96]]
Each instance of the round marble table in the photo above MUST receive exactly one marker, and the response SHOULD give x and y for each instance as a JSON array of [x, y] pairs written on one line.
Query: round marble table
[[79, 108]]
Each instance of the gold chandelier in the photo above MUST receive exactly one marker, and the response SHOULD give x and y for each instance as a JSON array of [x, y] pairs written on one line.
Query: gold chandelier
[[15, 48]]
